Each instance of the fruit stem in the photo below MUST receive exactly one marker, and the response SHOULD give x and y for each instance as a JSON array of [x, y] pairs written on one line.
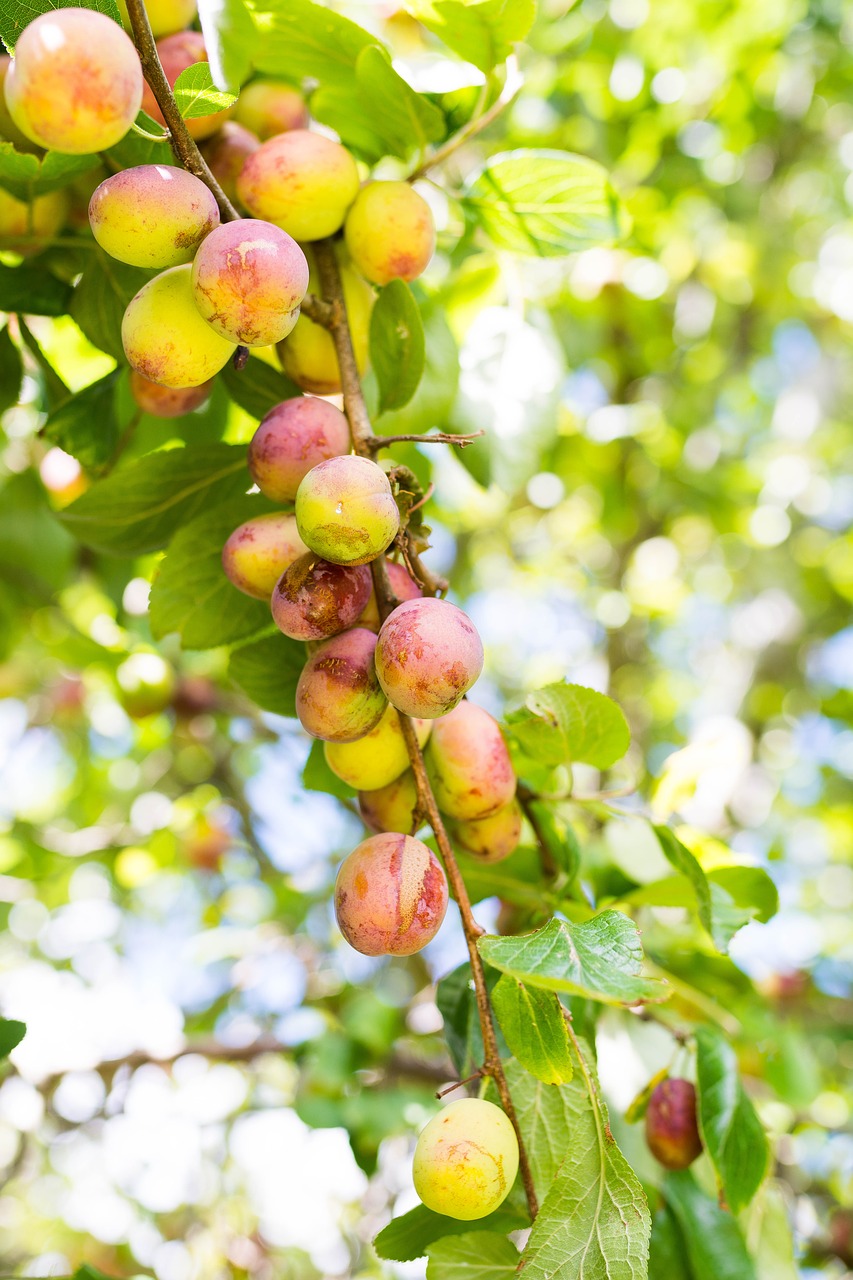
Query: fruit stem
[[182, 144], [435, 437], [364, 444]]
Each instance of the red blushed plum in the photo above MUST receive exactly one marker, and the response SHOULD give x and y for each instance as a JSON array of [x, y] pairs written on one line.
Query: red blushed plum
[[259, 551], [75, 84], [226, 153], [427, 657], [293, 438], [672, 1131], [269, 107], [390, 896], [176, 54], [315, 599], [489, 839], [346, 511], [301, 181], [9, 131], [164, 337], [391, 808], [153, 215], [404, 588], [389, 232], [469, 764], [338, 697], [167, 402], [249, 278]]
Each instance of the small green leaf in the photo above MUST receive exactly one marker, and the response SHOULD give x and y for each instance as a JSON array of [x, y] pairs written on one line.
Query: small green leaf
[[409, 1236], [750, 888], [544, 203], [26, 176], [430, 405], [134, 149], [100, 300], [731, 1130], [11, 1035], [17, 14], [197, 95], [474, 1255], [535, 1029], [684, 861], [32, 291], [257, 388], [601, 959], [11, 370], [397, 346], [640, 1104], [566, 723], [268, 670], [710, 1237], [87, 425], [479, 31]]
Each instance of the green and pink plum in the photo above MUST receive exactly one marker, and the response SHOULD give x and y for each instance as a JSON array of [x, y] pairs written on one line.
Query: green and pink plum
[[672, 1130], [259, 551], [346, 511], [489, 839], [249, 278], [338, 698], [404, 587], [301, 181], [226, 153], [167, 402], [39, 221], [177, 53], [164, 337], [469, 765], [391, 808], [294, 437], [379, 757], [466, 1160], [153, 215], [427, 657], [390, 896], [9, 131], [389, 232], [314, 599], [75, 84], [165, 16], [270, 107]]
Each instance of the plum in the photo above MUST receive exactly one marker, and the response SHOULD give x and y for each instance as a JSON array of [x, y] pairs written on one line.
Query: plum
[[258, 552], [466, 1160], [672, 1131], [428, 656], [292, 438], [226, 153], [469, 765], [301, 181], [270, 107], [346, 511], [489, 839], [338, 697], [314, 599], [152, 215], [377, 758], [390, 896], [391, 808], [164, 337], [389, 232], [167, 402]]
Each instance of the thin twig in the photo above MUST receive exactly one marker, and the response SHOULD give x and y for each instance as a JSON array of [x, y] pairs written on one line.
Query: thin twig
[[436, 437], [510, 91], [459, 1084], [525, 799]]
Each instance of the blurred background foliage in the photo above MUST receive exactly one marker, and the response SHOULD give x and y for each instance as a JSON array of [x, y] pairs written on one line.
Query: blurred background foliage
[[661, 508]]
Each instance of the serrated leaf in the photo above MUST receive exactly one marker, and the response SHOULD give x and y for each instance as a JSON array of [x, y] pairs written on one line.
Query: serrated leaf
[[568, 723], [229, 35], [268, 670], [197, 95], [11, 1035], [473, 1255], [11, 370], [257, 387], [409, 1236], [33, 292], [731, 1130], [190, 593], [317, 776], [100, 300], [544, 203], [26, 176], [140, 505], [86, 425], [482, 32], [711, 1237], [17, 14], [600, 960], [397, 346], [535, 1029], [594, 1222]]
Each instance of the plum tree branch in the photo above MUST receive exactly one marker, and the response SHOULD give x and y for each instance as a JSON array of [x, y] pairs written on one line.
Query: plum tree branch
[[435, 437], [364, 444]]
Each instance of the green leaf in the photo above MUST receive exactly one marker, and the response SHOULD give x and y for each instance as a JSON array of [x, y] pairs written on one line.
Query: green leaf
[[11, 370], [593, 1222], [640, 1104], [566, 723], [600, 959], [197, 95], [268, 670], [397, 345], [134, 149], [731, 1130], [406, 120], [535, 1029], [684, 861], [86, 425], [88, 1272], [558, 836], [482, 31], [750, 888], [229, 36], [667, 1257], [317, 776], [300, 40], [474, 1255], [769, 1237], [26, 176], [544, 203], [33, 292], [17, 14], [11, 1035], [100, 300], [710, 1237], [257, 388], [190, 593], [409, 1236], [458, 1007], [139, 506], [433, 399]]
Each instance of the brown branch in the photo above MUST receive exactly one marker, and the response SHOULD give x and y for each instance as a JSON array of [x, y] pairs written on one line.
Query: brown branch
[[510, 91], [182, 144], [437, 437], [362, 435], [525, 799]]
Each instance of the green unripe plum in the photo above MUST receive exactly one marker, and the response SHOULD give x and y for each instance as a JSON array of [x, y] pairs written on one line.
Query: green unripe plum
[[390, 232], [404, 588], [338, 697], [249, 278], [226, 153], [391, 808], [672, 1131], [346, 511], [314, 599], [469, 765], [308, 355], [270, 107], [466, 1160], [146, 684], [177, 52], [165, 16], [164, 337], [75, 84], [167, 402], [294, 437], [153, 215], [9, 131], [258, 552], [41, 220], [489, 839], [377, 758], [427, 657], [390, 896], [301, 181]]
